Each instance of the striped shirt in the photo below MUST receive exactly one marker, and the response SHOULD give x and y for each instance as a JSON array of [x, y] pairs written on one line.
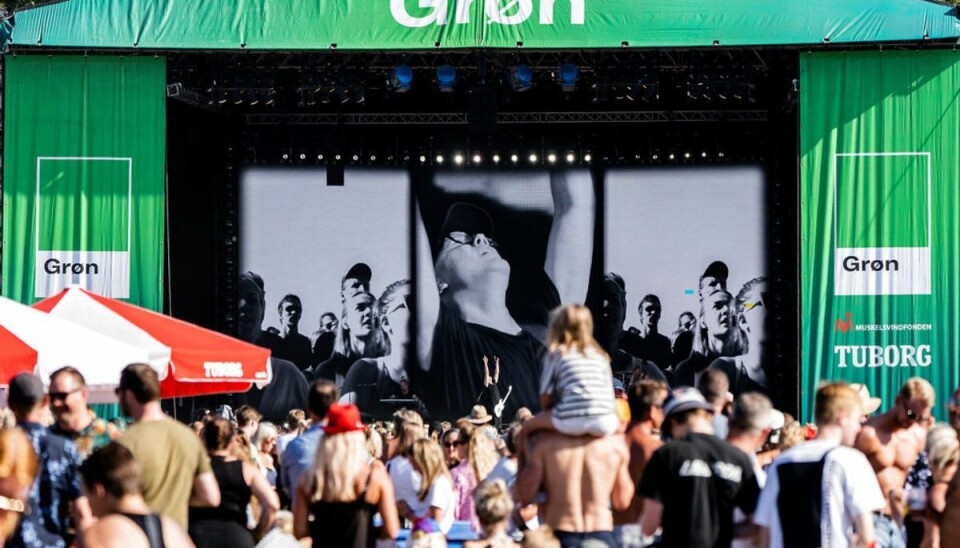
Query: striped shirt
[[581, 384]]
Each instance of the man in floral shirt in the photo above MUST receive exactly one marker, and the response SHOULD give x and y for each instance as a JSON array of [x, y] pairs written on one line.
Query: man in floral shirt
[[55, 495], [74, 420]]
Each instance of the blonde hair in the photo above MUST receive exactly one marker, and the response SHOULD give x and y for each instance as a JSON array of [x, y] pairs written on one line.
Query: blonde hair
[[834, 400], [17, 462], [943, 448], [409, 425], [428, 457], [374, 443], [571, 330], [340, 460], [792, 435], [481, 452], [918, 389], [492, 502]]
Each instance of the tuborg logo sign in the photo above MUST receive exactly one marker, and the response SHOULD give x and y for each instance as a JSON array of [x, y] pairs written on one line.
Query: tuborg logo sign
[[502, 12]]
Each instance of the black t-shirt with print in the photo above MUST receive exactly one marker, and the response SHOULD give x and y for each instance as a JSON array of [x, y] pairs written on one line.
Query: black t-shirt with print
[[699, 479]]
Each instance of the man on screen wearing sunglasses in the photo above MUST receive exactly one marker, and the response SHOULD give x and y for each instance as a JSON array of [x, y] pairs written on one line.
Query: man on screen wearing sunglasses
[[892, 442]]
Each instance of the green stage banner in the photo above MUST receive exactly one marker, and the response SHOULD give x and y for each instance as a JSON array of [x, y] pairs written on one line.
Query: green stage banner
[[880, 237], [430, 24], [83, 178]]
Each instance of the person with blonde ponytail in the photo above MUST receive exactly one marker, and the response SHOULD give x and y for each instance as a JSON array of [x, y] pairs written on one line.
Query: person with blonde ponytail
[[576, 387], [494, 505]]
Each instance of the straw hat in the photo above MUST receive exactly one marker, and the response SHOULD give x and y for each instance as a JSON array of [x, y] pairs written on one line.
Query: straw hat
[[479, 415], [867, 403]]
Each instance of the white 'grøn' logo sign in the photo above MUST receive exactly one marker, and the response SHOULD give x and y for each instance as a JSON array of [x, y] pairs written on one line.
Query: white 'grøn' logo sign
[[503, 12]]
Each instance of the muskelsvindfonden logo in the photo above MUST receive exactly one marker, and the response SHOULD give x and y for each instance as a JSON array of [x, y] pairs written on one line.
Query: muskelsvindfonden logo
[[502, 12], [890, 355]]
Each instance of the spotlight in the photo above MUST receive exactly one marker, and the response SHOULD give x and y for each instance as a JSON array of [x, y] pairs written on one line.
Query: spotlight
[[672, 156], [319, 156], [446, 76], [521, 78], [458, 159], [337, 157], [552, 158], [286, 156], [587, 157], [423, 159], [402, 78], [720, 154], [303, 156], [439, 159], [703, 154], [373, 158], [533, 158], [514, 158], [496, 158], [571, 158], [656, 157], [686, 155], [355, 157], [568, 77], [477, 158]]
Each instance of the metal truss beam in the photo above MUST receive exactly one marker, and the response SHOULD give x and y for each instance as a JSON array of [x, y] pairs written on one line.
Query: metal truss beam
[[453, 118]]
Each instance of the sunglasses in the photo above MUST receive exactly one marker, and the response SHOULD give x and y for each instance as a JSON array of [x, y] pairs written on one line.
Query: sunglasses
[[452, 444], [62, 395], [463, 238]]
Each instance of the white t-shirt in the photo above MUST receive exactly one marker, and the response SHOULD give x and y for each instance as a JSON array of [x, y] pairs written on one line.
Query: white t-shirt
[[849, 487], [441, 495], [738, 515], [406, 483]]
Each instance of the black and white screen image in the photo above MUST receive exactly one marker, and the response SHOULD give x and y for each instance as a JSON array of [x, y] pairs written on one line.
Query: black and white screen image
[[498, 251], [335, 268], [684, 280]]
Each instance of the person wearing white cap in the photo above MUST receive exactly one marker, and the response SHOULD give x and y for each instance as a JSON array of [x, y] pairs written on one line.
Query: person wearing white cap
[[868, 404], [693, 483]]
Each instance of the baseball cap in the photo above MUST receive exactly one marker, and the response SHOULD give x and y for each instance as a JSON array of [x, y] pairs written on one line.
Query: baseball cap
[[716, 269], [685, 399], [464, 217], [25, 390], [342, 418], [359, 271]]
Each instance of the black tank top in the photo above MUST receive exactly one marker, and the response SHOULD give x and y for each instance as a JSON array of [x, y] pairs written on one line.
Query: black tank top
[[151, 526], [234, 494], [344, 524]]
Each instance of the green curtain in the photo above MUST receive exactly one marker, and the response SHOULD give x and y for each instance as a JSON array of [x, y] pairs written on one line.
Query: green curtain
[[880, 283]]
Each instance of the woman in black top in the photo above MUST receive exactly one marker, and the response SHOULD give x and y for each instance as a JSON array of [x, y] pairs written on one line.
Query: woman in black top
[[226, 524], [345, 488]]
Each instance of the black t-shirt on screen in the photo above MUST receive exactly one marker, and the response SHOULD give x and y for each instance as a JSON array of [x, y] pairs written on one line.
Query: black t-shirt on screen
[[699, 479]]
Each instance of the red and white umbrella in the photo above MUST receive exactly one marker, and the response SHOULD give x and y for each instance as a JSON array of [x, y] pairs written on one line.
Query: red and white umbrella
[[34, 342], [201, 361]]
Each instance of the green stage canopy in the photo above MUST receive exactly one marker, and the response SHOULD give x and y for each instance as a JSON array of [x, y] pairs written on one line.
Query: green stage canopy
[[426, 24]]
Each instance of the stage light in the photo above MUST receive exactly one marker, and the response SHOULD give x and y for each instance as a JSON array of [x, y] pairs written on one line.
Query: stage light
[[337, 157], [656, 157], [571, 158], [458, 159], [303, 156], [703, 154], [521, 78], [373, 158], [319, 156], [355, 157], [720, 154], [552, 158], [446, 76], [439, 159], [568, 77], [514, 158], [533, 158], [672, 156], [477, 159], [686, 155], [587, 157], [496, 158], [402, 78], [286, 156], [423, 159]]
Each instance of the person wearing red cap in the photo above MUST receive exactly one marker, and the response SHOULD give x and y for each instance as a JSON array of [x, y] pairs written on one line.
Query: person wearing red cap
[[345, 488]]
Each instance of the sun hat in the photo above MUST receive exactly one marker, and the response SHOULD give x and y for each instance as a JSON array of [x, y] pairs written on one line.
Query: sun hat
[[479, 415], [867, 403]]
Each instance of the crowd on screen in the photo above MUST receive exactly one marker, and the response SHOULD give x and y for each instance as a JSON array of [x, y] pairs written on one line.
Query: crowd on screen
[[601, 465]]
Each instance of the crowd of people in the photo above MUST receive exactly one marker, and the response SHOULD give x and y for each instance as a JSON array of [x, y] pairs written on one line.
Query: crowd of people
[[644, 464]]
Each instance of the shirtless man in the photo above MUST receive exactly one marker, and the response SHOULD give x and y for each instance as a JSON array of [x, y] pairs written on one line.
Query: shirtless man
[[581, 477], [892, 442], [646, 399]]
